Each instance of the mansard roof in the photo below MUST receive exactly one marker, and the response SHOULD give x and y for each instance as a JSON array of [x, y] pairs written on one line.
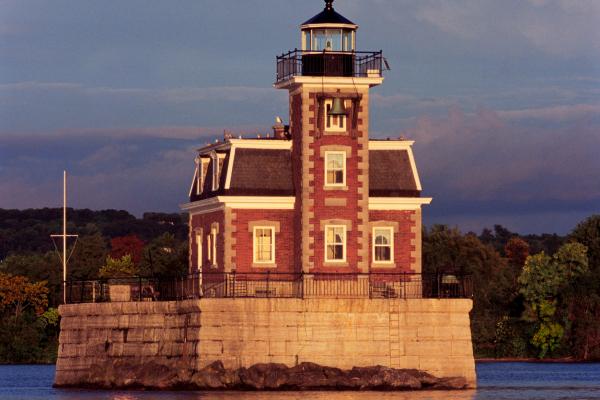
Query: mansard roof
[[263, 167], [391, 174]]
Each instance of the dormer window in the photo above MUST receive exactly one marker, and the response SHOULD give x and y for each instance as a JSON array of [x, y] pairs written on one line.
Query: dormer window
[[215, 171], [202, 168]]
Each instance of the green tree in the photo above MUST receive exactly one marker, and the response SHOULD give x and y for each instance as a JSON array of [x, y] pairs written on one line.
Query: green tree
[[584, 311], [165, 256], [545, 284], [88, 257], [118, 268]]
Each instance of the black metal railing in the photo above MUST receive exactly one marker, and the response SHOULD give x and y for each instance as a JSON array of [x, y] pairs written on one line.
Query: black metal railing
[[329, 63], [272, 284]]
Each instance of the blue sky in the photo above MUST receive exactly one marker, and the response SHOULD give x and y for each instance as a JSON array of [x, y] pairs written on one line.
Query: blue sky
[[501, 97]]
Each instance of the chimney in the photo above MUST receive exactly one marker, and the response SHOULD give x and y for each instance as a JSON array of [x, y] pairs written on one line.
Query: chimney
[[279, 131]]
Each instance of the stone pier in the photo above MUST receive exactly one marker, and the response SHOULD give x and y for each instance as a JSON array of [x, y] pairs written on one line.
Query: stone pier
[[431, 335]]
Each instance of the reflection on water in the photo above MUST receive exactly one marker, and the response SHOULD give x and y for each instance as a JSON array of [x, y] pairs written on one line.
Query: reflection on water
[[496, 381]]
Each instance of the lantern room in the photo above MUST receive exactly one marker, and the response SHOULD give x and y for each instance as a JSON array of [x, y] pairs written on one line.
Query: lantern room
[[328, 31], [328, 48]]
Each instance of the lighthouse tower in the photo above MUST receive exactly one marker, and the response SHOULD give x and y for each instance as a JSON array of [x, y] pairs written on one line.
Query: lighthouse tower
[[328, 82]]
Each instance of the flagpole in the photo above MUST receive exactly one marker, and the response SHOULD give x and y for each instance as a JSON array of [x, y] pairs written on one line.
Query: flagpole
[[64, 237]]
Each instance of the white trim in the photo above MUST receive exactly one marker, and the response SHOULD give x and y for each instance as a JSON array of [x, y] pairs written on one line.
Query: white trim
[[213, 234], [261, 143], [193, 181], [344, 155], [199, 251], [209, 247], [390, 144], [329, 25], [334, 81], [398, 203], [391, 245], [229, 167], [244, 202], [254, 259], [344, 244], [214, 159], [413, 166]]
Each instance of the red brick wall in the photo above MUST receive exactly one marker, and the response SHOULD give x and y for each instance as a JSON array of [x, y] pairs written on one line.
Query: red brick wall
[[402, 239], [205, 221], [296, 130], [284, 239], [321, 211]]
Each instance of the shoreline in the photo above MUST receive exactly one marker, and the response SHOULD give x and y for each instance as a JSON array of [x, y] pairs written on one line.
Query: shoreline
[[563, 360]]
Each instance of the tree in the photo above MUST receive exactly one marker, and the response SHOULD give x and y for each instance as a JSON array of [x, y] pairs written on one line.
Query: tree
[[124, 245], [88, 257], [545, 283], [446, 250], [517, 251], [118, 268], [165, 256], [17, 294], [584, 312]]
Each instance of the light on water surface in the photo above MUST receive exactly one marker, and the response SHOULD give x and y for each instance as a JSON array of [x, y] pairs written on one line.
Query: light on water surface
[[496, 381]]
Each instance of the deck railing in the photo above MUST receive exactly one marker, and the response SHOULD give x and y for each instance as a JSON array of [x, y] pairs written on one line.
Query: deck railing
[[272, 284], [329, 63]]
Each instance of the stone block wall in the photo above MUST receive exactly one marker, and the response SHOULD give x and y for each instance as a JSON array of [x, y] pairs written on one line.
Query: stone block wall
[[96, 333], [430, 335]]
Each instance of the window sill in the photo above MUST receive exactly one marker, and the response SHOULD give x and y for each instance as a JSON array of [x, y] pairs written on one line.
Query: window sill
[[335, 187], [335, 133], [264, 265], [383, 265], [335, 263]]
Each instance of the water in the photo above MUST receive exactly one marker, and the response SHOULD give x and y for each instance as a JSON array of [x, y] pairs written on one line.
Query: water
[[497, 381]]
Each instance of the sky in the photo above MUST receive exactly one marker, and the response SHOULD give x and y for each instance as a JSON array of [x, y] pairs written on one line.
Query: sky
[[502, 99]]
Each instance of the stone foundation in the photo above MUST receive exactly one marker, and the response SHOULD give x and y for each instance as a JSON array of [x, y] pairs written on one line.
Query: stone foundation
[[430, 335]]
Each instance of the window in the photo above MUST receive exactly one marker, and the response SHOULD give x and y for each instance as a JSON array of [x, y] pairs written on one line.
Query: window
[[208, 248], [335, 243], [334, 123], [335, 168], [199, 249], [264, 244], [215, 171], [383, 245], [213, 240]]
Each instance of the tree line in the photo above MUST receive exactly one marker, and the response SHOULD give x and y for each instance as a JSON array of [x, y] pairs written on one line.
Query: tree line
[[534, 295], [31, 269]]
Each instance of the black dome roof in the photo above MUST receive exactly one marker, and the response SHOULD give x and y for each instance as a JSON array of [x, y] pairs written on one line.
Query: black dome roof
[[329, 16]]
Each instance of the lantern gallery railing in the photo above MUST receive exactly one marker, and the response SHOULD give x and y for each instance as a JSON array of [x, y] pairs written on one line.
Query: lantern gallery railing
[[275, 285], [330, 63]]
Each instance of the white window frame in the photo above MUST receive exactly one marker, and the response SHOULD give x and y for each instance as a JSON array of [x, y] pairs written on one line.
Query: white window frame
[[344, 244], [209, 247], [255, 244], [342, 120], [199, 250], [213, 241], [343, 154], [215, 171], [390, 229]]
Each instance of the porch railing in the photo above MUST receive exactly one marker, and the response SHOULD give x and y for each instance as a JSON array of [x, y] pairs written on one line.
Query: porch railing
[[272, 284]]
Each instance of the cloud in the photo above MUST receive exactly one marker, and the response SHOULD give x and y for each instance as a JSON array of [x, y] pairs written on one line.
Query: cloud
[[558, 113], [479, 165], [560, 28]]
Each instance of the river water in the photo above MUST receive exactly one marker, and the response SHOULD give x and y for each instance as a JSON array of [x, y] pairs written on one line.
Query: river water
[[496, 381]]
